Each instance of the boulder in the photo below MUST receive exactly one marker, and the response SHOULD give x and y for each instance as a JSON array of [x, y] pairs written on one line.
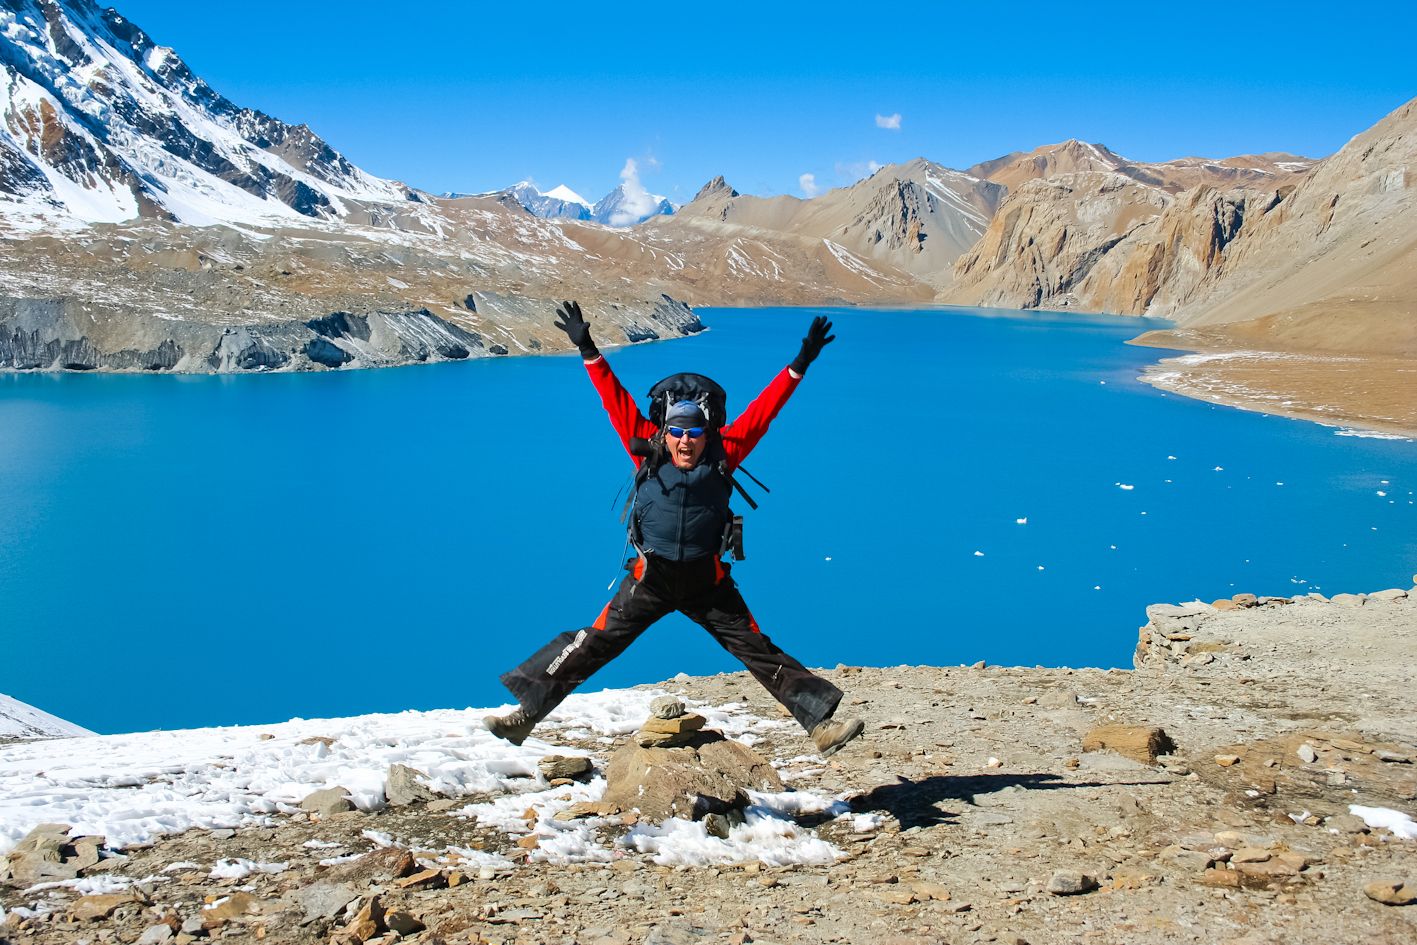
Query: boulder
[[329, 801], [46, 853], [1139, 742], [402, 787], [707, 775]]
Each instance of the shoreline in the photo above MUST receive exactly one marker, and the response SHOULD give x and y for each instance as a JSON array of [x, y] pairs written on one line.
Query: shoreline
[[1357, 395]]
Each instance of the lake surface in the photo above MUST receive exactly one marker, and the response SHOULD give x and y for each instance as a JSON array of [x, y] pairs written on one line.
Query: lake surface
[[183, 551]]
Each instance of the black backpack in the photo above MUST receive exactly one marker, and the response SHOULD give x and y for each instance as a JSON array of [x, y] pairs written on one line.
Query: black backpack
[[705, 392]]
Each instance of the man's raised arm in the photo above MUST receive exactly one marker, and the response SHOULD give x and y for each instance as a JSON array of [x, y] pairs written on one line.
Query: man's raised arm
[[740, 436], [624, 413]]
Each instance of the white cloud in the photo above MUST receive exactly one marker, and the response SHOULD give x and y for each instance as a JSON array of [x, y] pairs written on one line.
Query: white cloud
[[808, 183], [891, 122], [639, 203]]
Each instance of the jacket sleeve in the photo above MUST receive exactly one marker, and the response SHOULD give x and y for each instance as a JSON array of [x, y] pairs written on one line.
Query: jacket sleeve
[[740, 436], [624, 413]]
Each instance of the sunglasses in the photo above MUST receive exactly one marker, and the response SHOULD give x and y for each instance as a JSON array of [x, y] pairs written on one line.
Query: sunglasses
[[692, 433]]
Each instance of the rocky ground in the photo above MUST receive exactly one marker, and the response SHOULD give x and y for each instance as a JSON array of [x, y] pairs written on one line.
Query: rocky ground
[[1202, 797]]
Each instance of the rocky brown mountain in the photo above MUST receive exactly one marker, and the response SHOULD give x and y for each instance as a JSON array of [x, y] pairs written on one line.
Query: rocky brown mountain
[[915, 218]]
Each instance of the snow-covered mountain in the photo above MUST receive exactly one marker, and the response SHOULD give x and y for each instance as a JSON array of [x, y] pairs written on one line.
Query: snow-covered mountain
[[19, 720], [627, 205], [100, 124]]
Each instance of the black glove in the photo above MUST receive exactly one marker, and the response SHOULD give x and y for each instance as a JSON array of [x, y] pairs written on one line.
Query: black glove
[[573, 323], [817, 339]]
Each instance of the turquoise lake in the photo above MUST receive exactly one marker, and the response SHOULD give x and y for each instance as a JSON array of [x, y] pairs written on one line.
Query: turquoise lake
[[186, 551]]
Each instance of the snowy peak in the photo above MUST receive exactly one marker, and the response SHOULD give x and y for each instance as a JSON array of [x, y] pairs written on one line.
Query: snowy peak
[[564, 193], [21, 721], [559, 203], [630, 203], [98, 123]]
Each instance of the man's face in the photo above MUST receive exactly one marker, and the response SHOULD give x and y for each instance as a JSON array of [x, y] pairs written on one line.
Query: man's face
[[684, 450]]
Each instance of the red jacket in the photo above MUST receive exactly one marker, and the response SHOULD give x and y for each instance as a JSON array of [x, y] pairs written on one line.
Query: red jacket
[[739, 437]]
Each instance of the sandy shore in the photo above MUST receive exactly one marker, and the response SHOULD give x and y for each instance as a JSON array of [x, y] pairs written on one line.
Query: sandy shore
[[1366, 393]]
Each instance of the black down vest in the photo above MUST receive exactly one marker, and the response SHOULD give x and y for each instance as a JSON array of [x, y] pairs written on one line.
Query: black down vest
[[680, 514]]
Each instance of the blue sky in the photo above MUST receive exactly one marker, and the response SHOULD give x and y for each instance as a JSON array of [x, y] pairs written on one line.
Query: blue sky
[[467, 96]]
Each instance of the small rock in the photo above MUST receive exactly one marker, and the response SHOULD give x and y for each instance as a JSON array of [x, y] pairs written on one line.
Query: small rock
[[564, 766], [1391, 892], [329, 801], [1222, 878], [88, 908], [1139, 742], [1392, 757], [156, 935], [716, 825], [669, 733], [666, 707], [402, 788], [1070, 883], [1227, 761], [1353, 600], [423, 879], [1250, 855], [929, 890], [1225, 603], [1392, 593], [231, 907], [324, 900], [1348, 823], [368, 922], [1193, 861], [1307, 754], [404, 923]]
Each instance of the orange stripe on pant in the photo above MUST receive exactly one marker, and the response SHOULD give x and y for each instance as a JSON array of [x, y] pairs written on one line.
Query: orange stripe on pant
[[600, 621]]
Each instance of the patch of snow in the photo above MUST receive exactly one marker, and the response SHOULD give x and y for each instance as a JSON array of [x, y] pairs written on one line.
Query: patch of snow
[[1400, 824], [240, 868]]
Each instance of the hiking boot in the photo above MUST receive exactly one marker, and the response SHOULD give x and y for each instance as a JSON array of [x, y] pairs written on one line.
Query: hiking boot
[[830, 735], [513, 727]]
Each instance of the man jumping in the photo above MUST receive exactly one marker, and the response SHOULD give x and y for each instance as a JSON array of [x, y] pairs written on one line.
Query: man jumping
[[680, 514]]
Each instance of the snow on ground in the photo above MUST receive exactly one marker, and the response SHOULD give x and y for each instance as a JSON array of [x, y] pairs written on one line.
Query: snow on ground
[[134, 788], [1399, 823]]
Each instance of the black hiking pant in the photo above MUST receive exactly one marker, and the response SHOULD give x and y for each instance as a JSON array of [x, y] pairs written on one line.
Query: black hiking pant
[[702, 590]]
